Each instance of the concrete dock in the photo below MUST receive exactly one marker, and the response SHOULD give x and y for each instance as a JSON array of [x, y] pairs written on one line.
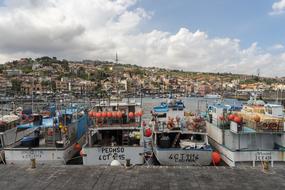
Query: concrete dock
[[156, 177]]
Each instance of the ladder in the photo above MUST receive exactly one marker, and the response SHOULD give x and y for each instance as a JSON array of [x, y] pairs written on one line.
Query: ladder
[[175, 140], [125, 138]]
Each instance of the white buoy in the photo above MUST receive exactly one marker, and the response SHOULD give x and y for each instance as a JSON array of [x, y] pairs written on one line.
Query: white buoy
[[115, 163]]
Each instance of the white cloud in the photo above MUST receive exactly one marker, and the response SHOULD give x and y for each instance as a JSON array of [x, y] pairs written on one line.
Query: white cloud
[[96, 29], [278, 7], [278, 46]]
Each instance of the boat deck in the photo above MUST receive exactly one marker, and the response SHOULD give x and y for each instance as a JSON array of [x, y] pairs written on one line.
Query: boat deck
[[154, 177]]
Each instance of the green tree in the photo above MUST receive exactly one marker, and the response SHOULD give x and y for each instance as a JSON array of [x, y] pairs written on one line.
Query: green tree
[[16, 86], [65, 65]]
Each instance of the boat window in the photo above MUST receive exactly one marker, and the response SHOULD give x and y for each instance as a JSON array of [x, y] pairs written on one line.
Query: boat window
[[163, 115], [173, 140], [193, 137]]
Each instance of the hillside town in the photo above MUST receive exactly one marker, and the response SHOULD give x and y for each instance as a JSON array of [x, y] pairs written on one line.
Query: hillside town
[[48, 75]]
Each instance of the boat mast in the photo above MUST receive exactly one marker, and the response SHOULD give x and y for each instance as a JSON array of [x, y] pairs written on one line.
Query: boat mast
[[117, 90], [33, 86]]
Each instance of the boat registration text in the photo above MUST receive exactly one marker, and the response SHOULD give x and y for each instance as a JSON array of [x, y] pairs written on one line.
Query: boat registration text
[[183, 157]]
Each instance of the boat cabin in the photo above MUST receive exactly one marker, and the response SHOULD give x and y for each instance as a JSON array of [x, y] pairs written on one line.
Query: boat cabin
[[49, 139], [274, 110], [180, 139], [116, 134], [58, 131]]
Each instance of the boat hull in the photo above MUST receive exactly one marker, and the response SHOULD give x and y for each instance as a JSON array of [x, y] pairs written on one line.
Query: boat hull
[[181, 157], [250, 158], [105, 155], [42, 155], [241, 157]]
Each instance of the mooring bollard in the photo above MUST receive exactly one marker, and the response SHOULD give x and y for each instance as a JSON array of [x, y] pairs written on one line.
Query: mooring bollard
[[33, 161], [128, 162], [266, 165]]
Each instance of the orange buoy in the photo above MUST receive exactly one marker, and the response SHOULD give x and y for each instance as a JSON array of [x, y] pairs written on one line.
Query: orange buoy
[[114, 114], [131, 115], [77, 147], [238, 120], [90, 114], [256, 118], [216, 158], [104, 114], [109, 114], [98, 114], [94, 114], [119, 114], [148, 132], [231, 117], [137, 114], [140, 113]]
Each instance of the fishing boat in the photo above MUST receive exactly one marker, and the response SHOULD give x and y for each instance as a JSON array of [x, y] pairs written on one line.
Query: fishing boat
[[10, 134], [8, 125], [55, 138], [254, 134], [163, 107], [180, 139], [212, 96], [174, 103], [116, 135]]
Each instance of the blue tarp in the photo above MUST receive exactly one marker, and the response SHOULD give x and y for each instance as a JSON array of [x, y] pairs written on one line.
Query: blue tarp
[[47, 122], [68, 111], [81, 126]]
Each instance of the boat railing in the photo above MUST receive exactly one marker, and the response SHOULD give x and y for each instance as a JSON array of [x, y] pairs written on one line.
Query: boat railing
[[263, 127], [116, 125], [161, 127]]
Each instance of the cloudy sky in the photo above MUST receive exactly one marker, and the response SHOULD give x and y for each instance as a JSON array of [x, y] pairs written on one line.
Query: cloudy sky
[[206, 35]]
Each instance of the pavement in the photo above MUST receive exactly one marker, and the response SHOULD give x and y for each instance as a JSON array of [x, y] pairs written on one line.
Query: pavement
[[80, 177]]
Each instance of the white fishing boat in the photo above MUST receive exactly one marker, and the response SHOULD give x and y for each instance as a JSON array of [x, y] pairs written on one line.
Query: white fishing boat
[[54, 139], [212, 96], [180, 140], [116, 135], [250, 136], [10, 134]]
